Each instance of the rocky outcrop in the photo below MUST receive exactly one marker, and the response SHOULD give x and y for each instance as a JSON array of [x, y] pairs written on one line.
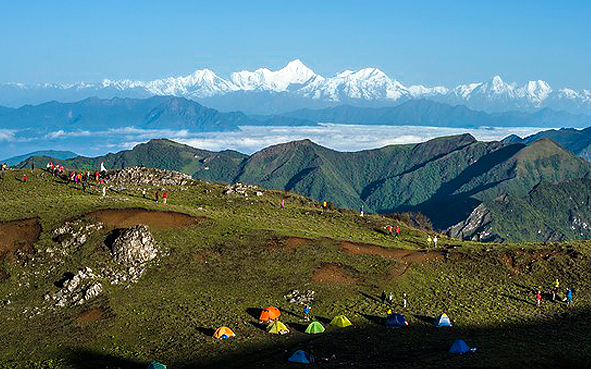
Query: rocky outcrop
[[74, 234], [78, 289], [142, 177], [134, 246], [476, 227], [242, 189]]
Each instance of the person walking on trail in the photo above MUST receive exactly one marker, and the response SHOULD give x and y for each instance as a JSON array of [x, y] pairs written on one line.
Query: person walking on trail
[[384, 297], [324, 206], [157, 195], [361, 213], [390, 298], [434, 241], [538, 298], [569, 296], [556, 284], [307, 310], [104, 191], [25, 177], [397, 231], [164, 197], [143, 193], [429, 240], [404, 300], [282, 203]]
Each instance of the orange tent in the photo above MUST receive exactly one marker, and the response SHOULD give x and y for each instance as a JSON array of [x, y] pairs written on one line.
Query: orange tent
[[269, 313], [223, 331]]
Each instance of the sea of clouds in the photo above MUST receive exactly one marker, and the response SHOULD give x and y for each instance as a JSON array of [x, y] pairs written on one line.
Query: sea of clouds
[[248, 139]]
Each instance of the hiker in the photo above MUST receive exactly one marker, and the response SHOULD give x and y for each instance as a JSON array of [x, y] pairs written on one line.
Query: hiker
[[569, 296], [397, 231], [282, 203], [429, 240], [384, 297], [556, 284], [25, 177], [435, 241], [389, 312], [307, 310], [104, 191], [538, 298], [84, 186], [121, 188], [143, 193], [157, 195], [390, 298], [164, 196], [390, 230], [404, 300], [361, 214], [103, 170], [324, 206]]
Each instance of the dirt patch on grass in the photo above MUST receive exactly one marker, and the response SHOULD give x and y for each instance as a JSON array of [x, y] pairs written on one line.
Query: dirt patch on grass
[[205, 256], [91, 315], [293, 242], [335, 274], [405, 256], [18, 237], [520, 260], [152, 218]]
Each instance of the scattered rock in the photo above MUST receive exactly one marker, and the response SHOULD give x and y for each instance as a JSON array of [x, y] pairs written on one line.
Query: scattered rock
[[74, 234], [295, 297], [144, 177]]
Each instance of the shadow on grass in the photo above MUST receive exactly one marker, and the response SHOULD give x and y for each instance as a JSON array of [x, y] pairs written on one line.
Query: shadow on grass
[[374, 298], [299, 327], [87, 359], [260, 326], [206, 331], [427, 319], [379, 320], [518, 299], [254, 312]]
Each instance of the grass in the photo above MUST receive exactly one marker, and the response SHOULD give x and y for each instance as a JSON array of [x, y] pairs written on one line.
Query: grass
[[216, 272]]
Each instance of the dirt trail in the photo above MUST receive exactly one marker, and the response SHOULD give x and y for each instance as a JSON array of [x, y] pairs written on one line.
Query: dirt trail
[[152, 218], [18, 236], [406, 256], [91, 315], [334, 274]]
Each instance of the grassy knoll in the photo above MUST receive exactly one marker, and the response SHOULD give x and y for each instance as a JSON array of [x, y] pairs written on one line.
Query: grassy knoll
[[246, 253]]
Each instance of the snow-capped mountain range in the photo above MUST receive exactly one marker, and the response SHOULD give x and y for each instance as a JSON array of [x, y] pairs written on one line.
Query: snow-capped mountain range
[[296, 85]]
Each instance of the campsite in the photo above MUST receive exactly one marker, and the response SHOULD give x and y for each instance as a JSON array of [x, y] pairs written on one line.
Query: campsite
[[225, 262]]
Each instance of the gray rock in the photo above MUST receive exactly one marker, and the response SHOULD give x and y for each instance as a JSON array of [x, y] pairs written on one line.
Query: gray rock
[[135, 246]]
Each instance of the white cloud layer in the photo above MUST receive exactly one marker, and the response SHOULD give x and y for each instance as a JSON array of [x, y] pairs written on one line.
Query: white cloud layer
[[7, 135], [341, 137]]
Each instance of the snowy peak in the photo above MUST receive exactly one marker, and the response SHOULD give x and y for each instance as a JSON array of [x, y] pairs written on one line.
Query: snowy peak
[[295, 72]]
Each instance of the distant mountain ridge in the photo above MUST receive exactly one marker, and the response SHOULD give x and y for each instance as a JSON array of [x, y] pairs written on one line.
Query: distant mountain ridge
[[296, 86], [576, 140], [51, 153], [447, 178]]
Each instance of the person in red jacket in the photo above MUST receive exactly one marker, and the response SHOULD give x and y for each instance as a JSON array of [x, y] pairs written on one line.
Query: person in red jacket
[[397, 231], [164, 197]]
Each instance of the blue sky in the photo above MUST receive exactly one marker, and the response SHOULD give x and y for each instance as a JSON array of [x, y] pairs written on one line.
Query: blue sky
[[430, 42]]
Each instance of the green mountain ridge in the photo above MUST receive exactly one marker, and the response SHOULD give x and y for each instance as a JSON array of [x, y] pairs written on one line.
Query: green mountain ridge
[[445, 179]]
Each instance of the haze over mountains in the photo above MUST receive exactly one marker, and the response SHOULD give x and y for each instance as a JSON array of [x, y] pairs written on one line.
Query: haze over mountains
[[296, 86]]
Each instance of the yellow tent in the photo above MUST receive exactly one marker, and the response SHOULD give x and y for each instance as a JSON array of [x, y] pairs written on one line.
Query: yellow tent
[[277, 327], [223, 331], [340, 321]]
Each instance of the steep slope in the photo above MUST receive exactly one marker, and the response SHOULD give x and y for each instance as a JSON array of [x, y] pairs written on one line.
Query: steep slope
[[576, 140], [550, 212]]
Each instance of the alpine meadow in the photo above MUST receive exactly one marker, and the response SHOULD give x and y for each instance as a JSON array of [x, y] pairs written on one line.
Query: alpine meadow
[[332, 185]]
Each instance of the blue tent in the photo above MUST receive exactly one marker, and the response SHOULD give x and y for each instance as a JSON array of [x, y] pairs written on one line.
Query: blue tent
[[156, 365], [301, 356], [459, 347], [443, 321], [396, 320]]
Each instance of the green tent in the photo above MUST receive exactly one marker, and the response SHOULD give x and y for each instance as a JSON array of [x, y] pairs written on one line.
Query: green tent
[[156, 365], [315, 328]]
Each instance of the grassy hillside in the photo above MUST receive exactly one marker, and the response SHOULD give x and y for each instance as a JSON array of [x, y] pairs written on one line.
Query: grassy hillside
[[444, 178], [265, 251]]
